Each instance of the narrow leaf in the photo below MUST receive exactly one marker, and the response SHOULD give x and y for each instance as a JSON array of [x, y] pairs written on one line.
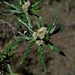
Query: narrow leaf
[[38, 25], [11, 5], [40, 51], [53, 22], [58, 30], [50, 46], [10, 70], [25, 24], [56, 49], [41, 22], [2, 56], [23, 37], [52, 29], [15, 11], [61, 28], [12, 46], [28, 18], [26, 52], [36, 4], [35, 10], [20, 2], [34, 14]]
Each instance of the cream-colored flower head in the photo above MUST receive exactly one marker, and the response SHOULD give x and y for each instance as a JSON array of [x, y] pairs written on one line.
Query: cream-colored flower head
[[41, 32], [34, 35], [26, 5], [39, 42]]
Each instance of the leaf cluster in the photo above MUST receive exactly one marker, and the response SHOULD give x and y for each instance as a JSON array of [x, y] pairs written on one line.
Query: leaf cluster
[[27, 23]]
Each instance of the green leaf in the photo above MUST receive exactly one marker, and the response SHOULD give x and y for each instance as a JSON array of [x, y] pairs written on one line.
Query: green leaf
[[26, 52], [11, 5], [37, 4], [50, 46], [61, 28], [12, 46], [52, 29], [23, 37], [10, 70], [18, 25], [58, 30], [41, 22], [56, 49], [38, 25], [35, 10], [14, 11], [40, 51], [38, 9], [28, 18], [25, 24], [52, 25], [2, 56], [53, 47], [20, 2]]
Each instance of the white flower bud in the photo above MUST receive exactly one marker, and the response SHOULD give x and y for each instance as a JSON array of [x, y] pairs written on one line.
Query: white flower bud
[[26, 5], [41, 36], [42, 29], [41, 32], [34, 35], [39, 42], [25, 32]]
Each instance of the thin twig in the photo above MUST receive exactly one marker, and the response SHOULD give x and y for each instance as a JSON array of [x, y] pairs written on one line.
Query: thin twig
[[10, 25], [5, 13]]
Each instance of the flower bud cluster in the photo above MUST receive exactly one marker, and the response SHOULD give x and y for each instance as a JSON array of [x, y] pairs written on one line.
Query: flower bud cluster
[[26, 5], [40, 34]]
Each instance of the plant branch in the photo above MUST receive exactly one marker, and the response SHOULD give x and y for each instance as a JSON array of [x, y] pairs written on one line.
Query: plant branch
[[10, 25]]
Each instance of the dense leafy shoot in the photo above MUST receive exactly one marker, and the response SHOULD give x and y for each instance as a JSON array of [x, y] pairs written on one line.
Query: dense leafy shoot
[[40, 37]]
